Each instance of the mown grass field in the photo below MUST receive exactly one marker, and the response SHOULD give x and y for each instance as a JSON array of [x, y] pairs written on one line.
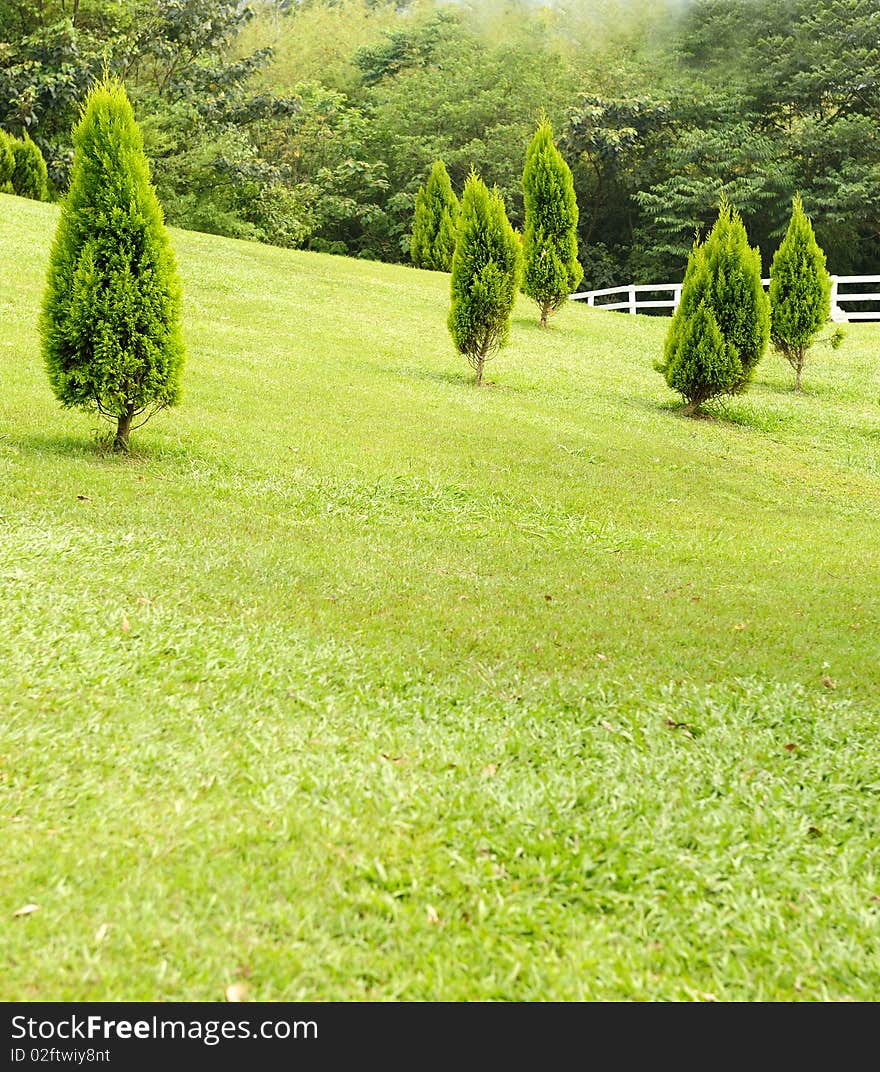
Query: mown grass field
[[354, 682]]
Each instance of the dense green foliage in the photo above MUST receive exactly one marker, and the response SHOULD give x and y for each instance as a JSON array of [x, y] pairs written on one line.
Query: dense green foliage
[[29, 177], [800, 292], [7, 162], [700, 364], [111, 313], [434, 222], [720, 329], [22, 168], [485, 275], [550, 247], [313, 124]]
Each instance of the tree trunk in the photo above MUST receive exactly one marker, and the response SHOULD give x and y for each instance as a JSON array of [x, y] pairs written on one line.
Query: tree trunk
[[545, 312], [480, 362], [797, 378], [692, 409], [123, 432]]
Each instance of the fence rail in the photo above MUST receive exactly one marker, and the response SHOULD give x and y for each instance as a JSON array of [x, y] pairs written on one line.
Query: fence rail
[[633, 291]]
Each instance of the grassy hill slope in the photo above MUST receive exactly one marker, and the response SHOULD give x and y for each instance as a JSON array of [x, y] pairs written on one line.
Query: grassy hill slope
[[356, 682]]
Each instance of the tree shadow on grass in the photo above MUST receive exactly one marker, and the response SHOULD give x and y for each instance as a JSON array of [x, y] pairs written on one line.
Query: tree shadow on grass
[[732, 411], [671, 407], [458, 378], [97, 447], [533, 324], [463, 378]]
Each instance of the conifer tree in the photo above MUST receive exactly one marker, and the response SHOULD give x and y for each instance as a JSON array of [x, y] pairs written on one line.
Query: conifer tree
[[552, 270], [724, 275], [703, 365], [800, 292], [7, 163], [485, 275], [29, 177], [434, 222], [111, 312]]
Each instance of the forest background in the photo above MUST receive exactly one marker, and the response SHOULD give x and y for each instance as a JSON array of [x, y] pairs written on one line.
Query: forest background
[[312, 124]]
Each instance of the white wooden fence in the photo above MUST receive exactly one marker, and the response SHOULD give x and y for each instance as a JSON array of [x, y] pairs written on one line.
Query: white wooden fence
[[634, 303]]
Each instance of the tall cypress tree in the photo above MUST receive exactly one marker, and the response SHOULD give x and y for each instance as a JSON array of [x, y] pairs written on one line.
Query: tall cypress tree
[[485, 275], [800, 291], [111, 313], [436, 215], [552, 270], [723, 277]]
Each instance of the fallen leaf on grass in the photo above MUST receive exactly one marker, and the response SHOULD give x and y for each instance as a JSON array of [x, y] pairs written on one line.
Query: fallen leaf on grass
[[433, 917], [607, 726], [101, 933], [490, 769], [126, 625], [815, 831], [399, 760], [236, 992], [84, 498], [829, 682], [685, 726], [26, 910], [790, 747], [143, 601], [740, 626]]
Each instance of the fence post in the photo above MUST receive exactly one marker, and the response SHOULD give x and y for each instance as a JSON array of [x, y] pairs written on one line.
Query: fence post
[[632, 299], [676, 297], [591, 299], [833, 291]]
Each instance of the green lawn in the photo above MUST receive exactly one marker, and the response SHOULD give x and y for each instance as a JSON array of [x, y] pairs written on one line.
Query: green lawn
[[355, 682]]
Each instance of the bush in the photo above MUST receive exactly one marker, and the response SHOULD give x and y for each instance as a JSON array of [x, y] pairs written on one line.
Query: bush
[[703, 364], [724, 276], [111, 313], [434, 221], [30, 177], [550, 245], [485, 275], [7, 163], [800, 292]]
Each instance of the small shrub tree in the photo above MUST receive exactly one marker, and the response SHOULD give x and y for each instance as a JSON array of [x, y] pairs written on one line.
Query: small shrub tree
[[552, 270], [29, 177], [434, 222], [704, 365], [7, 163], [800, 292], [485, 275], [724, 275], [110, 324]]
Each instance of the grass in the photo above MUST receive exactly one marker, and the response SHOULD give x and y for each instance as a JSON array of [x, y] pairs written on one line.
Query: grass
[[355, 682]]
